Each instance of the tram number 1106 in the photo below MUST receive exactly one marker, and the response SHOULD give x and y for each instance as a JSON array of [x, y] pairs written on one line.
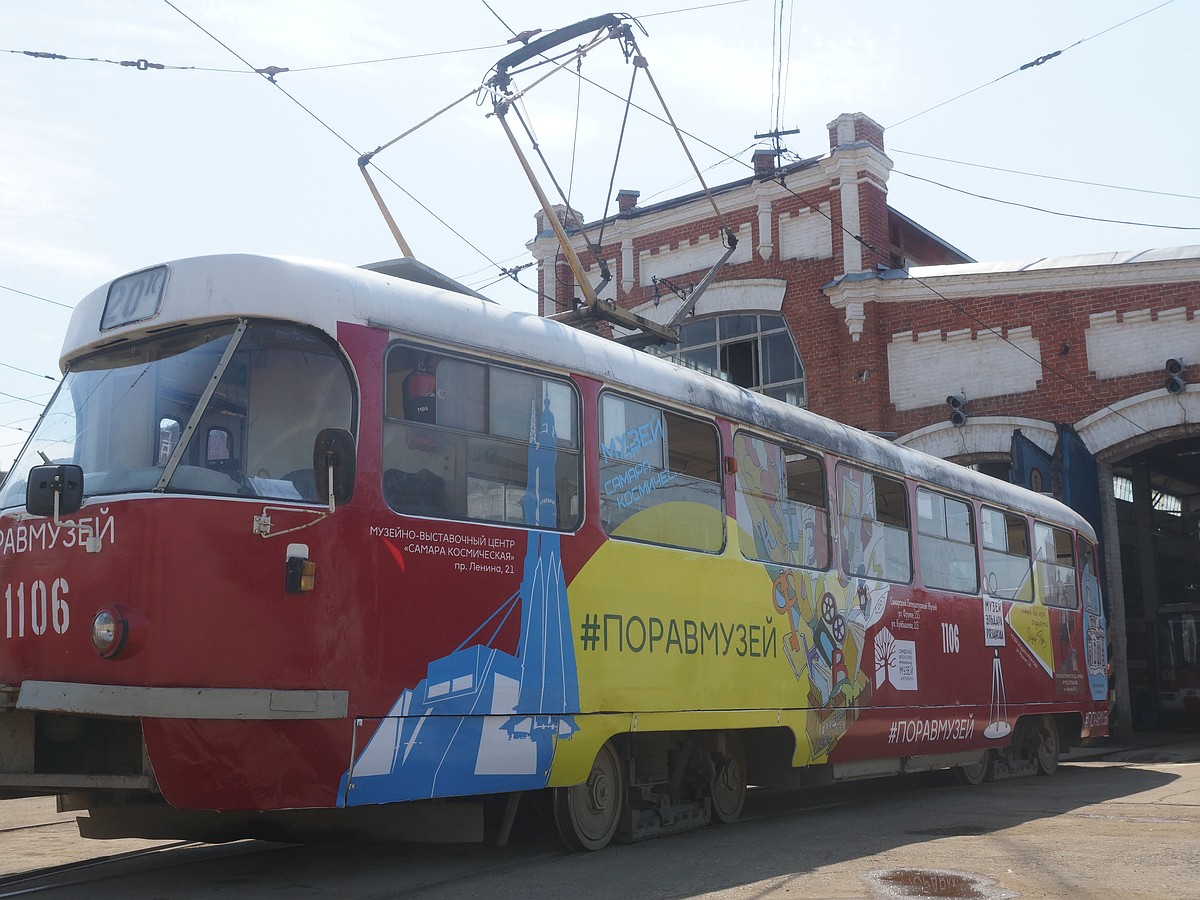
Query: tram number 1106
[[38, 609]]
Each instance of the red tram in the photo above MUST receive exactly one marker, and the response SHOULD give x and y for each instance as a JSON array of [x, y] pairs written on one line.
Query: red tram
[[297, 543]]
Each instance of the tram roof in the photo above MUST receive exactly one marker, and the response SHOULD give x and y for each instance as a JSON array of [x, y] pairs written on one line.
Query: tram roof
[[211, 288]]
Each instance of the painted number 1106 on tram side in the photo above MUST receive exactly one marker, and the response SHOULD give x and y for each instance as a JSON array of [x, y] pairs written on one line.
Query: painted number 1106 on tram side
[[298, 544]]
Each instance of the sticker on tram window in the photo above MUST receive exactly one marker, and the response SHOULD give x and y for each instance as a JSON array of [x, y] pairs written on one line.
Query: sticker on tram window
[[134, 298]]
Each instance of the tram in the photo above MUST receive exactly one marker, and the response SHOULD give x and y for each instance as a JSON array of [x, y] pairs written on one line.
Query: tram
[[297, 542], [1178, 660]]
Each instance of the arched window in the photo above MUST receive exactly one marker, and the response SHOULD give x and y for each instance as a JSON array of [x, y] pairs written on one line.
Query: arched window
[[752, 351]]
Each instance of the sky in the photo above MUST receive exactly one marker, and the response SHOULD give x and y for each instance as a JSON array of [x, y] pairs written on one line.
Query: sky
[[106, 168]]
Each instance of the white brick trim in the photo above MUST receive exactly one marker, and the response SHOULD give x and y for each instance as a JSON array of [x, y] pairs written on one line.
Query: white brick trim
[[1135, 418], [982, 434], [1138, 342], [925, 370], [1003, 281], [735, 296]]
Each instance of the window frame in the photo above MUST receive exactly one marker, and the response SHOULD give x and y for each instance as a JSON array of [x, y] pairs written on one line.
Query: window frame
[[929, 540], [787, 449], [685, 352], [986, 586], [462, 439], [843, 560], [1064, 599], [719, 480]]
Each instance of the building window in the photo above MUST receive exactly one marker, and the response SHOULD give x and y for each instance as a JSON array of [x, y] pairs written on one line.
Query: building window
[[1160, 500], [751, 351]]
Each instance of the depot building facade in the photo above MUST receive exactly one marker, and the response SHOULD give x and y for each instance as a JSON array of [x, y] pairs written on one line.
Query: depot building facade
[[1078, 376]]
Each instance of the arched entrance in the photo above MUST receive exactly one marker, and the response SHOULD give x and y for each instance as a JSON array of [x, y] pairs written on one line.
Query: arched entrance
[[1148, 451]]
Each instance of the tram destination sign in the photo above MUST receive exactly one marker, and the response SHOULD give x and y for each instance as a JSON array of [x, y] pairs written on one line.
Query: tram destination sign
[[134, 298]]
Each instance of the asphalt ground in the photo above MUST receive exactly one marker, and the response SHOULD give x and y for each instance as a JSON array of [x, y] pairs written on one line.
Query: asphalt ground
[[1119, 819]]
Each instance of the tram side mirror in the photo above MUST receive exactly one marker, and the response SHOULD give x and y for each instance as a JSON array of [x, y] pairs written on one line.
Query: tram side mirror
[[333, 452], [54, 490]]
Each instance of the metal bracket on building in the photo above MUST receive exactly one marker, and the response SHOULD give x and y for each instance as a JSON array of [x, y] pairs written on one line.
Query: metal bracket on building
[[693, 298]]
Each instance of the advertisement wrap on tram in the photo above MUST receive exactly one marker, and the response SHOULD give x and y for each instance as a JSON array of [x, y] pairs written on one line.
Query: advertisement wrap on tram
[[294, 541]]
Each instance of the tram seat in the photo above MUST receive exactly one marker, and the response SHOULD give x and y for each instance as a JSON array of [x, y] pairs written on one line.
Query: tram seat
[[205, 480], [231, 467], [419, 493], [304, 481]]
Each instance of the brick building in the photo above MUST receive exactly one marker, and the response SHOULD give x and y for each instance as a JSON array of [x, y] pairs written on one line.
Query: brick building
[[833, 300]]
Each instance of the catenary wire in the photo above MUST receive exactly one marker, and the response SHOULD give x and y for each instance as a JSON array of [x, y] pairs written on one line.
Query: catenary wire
[[358, 153], [388, 59], [498, 19], [1114, 187], [686, 9], [27, 371], [23, 399], [959, 308], [144, 64], [643, 110], [1040, 209], [141, 65], [35, 297], [1041, 60], [271, 71]]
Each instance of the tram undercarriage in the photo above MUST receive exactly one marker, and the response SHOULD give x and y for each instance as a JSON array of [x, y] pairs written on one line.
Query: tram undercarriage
[[648, 785], [641, 785]]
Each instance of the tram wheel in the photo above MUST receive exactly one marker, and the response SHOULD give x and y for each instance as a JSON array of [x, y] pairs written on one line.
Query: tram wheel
[[1047, 745], [975, 773], [729, 782], [587, 814]]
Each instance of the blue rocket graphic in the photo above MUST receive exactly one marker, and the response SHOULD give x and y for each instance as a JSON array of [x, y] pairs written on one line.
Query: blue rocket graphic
[[482, 720]]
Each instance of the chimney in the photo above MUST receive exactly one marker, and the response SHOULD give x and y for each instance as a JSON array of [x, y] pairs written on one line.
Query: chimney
[[764, 163], [627, 200], [570, 219], [853, 128]]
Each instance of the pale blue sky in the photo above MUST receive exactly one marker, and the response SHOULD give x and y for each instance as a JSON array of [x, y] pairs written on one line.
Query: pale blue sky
[[104, 168]]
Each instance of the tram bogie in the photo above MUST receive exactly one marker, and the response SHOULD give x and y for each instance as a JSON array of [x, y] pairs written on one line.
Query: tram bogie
[[297, 545]]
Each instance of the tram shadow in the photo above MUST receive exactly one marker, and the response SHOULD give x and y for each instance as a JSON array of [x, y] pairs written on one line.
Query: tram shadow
[[790, 841], [786, 835]]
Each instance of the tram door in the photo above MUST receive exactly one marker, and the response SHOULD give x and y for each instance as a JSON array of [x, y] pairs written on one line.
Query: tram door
[[1179, 660]]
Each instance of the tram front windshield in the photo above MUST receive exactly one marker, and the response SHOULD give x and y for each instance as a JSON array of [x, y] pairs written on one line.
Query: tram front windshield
[[132, 416]]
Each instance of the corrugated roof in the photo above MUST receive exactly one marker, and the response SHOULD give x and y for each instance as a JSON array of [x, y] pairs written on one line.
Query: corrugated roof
[[1083, 261]]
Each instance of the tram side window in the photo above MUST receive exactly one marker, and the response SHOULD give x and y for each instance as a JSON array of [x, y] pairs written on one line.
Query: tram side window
[[781, 504], [1054, 565], [874, 525], [659, 476], [946, 537], [464, 439], [1006, 569]]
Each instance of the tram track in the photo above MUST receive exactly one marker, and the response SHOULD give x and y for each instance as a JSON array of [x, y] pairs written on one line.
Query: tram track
[[32, 825], [381, 869], [102, 868]]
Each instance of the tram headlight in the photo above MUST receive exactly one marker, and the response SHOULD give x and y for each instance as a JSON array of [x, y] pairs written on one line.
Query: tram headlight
[[109, 630]]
